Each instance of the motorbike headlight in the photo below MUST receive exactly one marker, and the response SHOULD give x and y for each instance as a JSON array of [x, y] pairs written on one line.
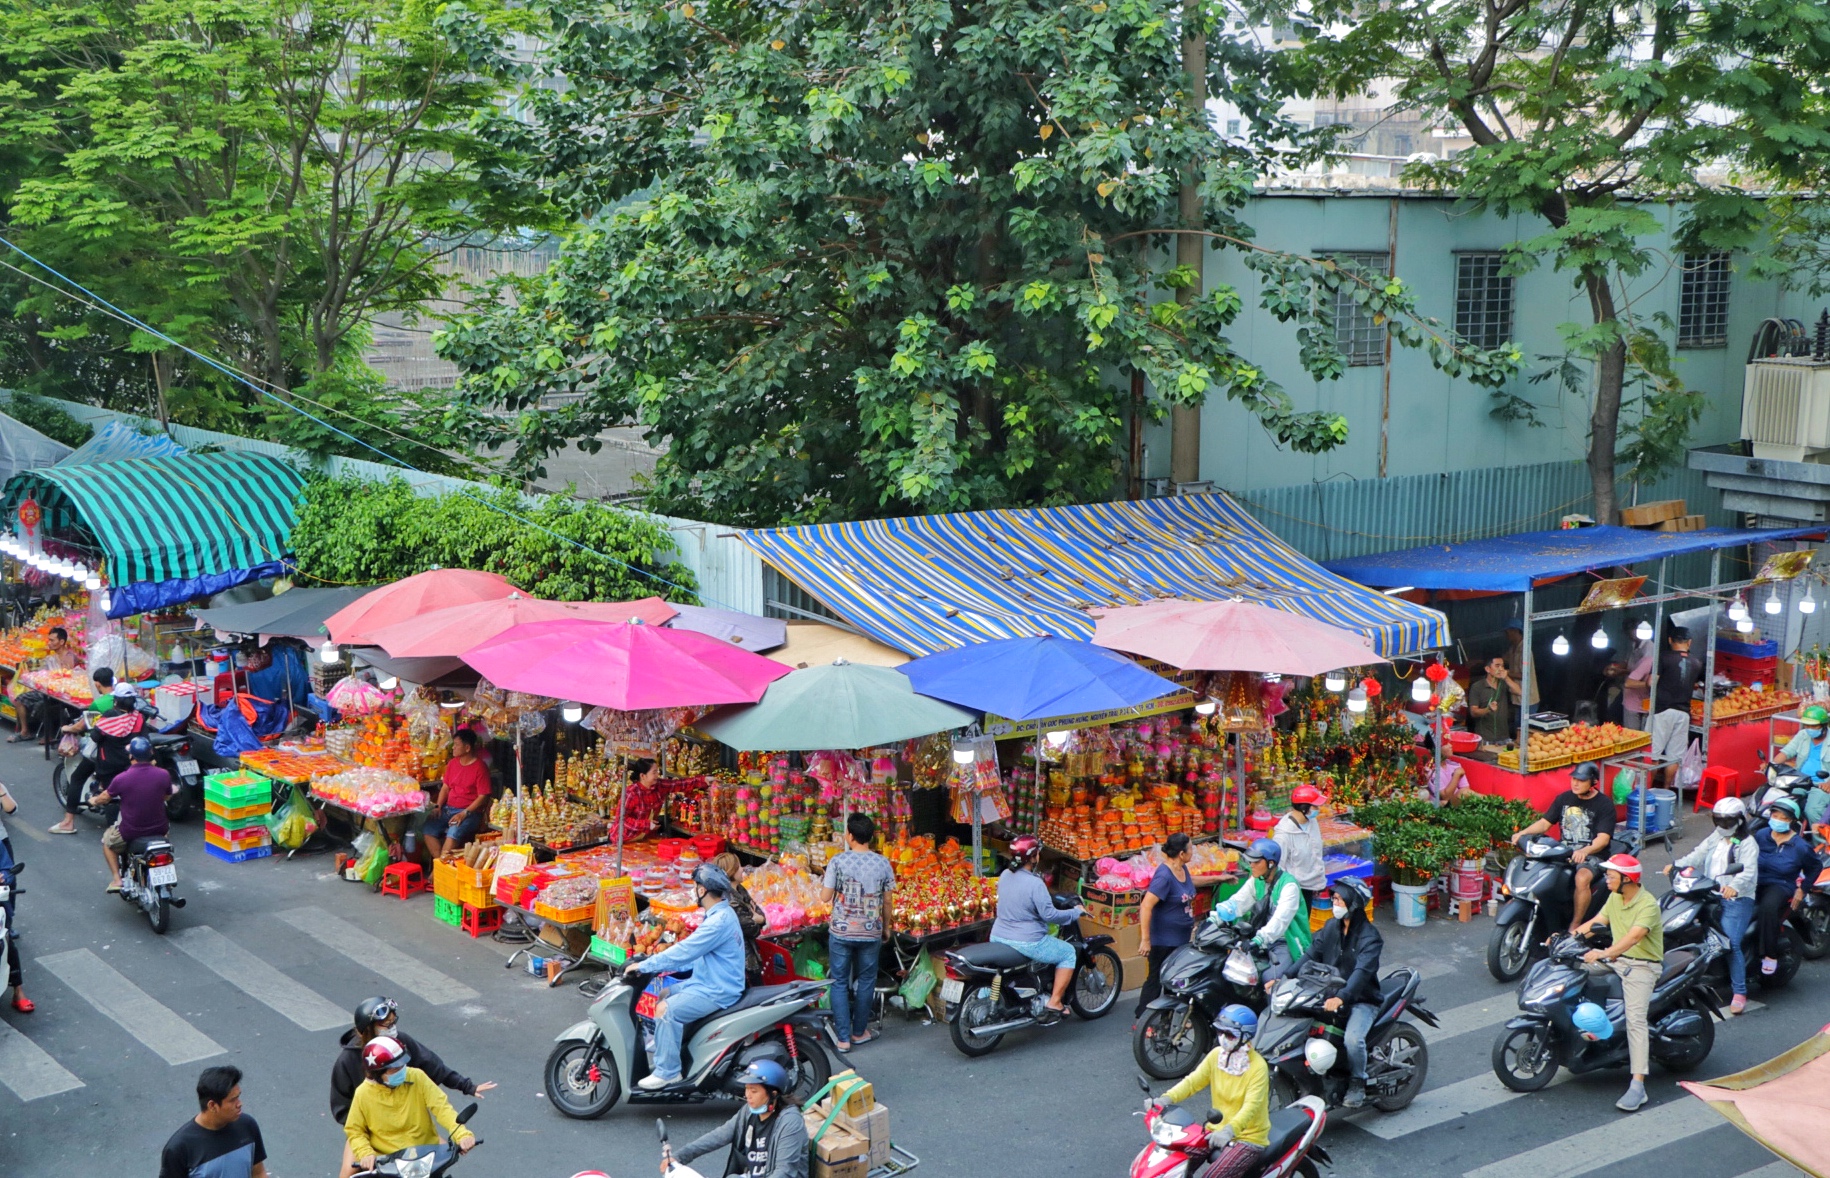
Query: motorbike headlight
[[1282, 998], [1680, 920], [1549, 992], [420, 1167], [1240, 969]]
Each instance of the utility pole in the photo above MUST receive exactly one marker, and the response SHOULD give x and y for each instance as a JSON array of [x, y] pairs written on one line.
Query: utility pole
[[1191, 247]]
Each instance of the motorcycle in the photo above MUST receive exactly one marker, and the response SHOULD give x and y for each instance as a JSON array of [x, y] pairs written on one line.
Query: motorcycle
[[595, 1061], [992, 989], [1181, 1143], [1539, 898], [1786, 781], [1680, 1020], [1692, 912], [1219, 966], [149, 878], [1811, 920], [1397, 1059], [171, 752], [421, 1161]]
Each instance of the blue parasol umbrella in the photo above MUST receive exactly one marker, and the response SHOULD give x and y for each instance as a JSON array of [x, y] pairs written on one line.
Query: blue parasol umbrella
[[1030, 678]]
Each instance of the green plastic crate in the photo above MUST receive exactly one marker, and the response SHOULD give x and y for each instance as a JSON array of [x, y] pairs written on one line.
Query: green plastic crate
[[605, 951], [235, 789], [448, 911]]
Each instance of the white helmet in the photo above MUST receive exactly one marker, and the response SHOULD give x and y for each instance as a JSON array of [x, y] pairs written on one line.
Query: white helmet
[[1730, 808], [1320, 1055]]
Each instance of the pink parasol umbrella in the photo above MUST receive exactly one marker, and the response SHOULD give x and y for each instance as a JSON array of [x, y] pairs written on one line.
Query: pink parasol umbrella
[[411, 597], [1234, 635], [623, 665], [459, 628]]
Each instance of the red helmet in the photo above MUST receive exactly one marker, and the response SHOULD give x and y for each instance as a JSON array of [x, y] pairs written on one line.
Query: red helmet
[[1306, 795], [1627, 865], [1024, 847], [383, 1052]]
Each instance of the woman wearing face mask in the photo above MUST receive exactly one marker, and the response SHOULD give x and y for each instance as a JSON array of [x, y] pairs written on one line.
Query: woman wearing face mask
[[765, 1141], [396, 1107], [1299, 833], [1782, 856], [1731, 857], [1239, 1083], [1805, 751]]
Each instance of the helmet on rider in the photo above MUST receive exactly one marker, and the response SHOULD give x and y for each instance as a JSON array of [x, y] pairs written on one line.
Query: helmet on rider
[[125, 691], [1593, 1022], [1236, 1022], [1729, 813], [1024, 849], [1627, 865], [1352, 893], [372, 1012], [1587, 771], [139, 749], [714, 881], [1306, 795], [1264, 851], [766, 1072], [381, 1054], [1814, 717], [1782, 814]]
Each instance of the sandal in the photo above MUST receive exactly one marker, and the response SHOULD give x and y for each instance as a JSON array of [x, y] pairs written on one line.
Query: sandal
[[62, 830], [861, 1040], [24, 1005], [841, 1048], [114, 889]]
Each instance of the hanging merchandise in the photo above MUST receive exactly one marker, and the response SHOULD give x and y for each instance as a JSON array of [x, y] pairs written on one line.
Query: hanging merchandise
[[976, 785], [1124, 787]]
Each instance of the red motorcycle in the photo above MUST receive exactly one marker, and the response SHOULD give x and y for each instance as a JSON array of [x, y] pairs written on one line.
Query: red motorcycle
[[1180, 1144]]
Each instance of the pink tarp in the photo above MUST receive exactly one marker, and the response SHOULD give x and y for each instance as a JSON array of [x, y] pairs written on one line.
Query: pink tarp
[[1234, 635], [459, 628], [1783, 1103], [411, 597]]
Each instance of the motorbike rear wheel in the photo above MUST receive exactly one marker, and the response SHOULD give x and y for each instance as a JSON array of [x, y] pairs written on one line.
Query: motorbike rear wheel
[[1524, 1059], [813, 1070], [1507, 952], [1400, 1044], [569, 1082], [1692, 1057], [1096, 984], [974, 1010], [1162, 1057], [1791, 956], [1814, 939], [159, 913]]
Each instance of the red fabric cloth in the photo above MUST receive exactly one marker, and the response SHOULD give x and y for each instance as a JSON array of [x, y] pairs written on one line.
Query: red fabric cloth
[[1539, 789], [464, 784]]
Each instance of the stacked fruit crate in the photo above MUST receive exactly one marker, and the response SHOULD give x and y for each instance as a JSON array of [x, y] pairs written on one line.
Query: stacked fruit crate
[[235, 809]]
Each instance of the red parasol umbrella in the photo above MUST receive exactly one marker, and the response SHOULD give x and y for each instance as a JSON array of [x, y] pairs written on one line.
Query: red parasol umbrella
[[623, 665], [1234, 635], [411, 597], [459, 628]]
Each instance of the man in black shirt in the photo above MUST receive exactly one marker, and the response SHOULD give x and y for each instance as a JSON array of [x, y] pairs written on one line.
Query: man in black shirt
[[1678, 673], [1584, 816], [218, 1142]]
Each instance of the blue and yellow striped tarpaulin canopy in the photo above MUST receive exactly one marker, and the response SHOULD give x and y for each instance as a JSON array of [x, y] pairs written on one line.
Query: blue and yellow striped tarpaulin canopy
[[164, 519], [931, 582]]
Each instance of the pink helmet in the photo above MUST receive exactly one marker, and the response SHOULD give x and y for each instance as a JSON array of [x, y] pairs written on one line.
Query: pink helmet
[[1025, 847], [1306, 795]]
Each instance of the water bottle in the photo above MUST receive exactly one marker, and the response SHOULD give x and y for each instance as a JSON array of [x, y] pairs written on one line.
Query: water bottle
[[411, 842]]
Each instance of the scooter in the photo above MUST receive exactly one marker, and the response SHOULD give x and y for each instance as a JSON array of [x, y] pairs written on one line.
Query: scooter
[[1538, 899], [1680, 1020], [421, 1161], [597, 1060], [1692, 912], [149, 878], [1303, 1043], [171, 752], [1220, 965], [992, 990], [1786, 781], [1181, 1143], [1811, 920]]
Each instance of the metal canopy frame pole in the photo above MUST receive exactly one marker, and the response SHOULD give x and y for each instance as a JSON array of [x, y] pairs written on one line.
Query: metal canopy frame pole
[[1658, 638], [1709, 659], [1239, 777], [520, 796], [1525, 690]]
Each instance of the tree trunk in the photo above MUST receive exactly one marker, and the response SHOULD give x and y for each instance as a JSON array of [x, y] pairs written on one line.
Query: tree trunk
[[1604, 419], [1191, 248]]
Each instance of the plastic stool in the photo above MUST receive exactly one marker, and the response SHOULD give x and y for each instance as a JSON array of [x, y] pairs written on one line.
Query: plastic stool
[[1718, 783], [478, 921], [403, 880]]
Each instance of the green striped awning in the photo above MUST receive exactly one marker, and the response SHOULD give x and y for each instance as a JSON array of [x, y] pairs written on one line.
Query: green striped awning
[[161, 519]]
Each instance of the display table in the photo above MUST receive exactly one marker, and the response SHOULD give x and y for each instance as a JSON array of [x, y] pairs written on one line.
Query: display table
[[1536, 789]]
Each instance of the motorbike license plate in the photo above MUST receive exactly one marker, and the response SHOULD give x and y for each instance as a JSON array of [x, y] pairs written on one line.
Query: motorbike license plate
[[187, 768], [646, 1005], [160, 877], [952, 990]]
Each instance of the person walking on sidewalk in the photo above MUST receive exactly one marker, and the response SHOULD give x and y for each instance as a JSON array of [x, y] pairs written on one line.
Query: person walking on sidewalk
[[1637, 955], [857, 883], [9, 871], [1299, 833], [220, 1141], [1731, 857], [1166, 919]]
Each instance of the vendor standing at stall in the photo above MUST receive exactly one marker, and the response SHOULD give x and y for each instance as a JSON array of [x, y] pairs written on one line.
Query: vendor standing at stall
[[1492, 704], [1515, 666], [463, 797], [35, 708], [1677, 682]]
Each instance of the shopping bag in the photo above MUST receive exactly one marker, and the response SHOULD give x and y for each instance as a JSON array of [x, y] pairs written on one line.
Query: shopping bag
[[293, 822], [1690, 766], [920, 982], [373, 864]]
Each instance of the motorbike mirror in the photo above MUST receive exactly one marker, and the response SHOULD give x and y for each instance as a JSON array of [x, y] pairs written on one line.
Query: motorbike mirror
[[661, 1128], [1144, 1084], [470, 1110]]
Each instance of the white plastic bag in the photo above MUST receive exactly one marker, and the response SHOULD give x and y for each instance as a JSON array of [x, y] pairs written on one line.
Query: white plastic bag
[[1690, 767]]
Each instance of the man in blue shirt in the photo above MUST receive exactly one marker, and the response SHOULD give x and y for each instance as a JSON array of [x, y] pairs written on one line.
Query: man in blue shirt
[[714, 952], [1806, 749]]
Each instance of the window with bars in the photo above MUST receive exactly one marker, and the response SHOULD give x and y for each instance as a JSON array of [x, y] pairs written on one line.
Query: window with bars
[[1360, 340], [1483, 299], [1703, 301]]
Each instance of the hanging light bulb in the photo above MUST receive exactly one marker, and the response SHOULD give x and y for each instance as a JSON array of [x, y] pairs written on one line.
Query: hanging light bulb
[[962, 754], [1335, 681], [1643, 631], [1773, 604], [107, 601], [1057, 738], [79, 572], [1356, 700], [1745, 625], [1559, 645], [327, 653], [1809, 604], [390, 683], [1206, 706], [572, 713], [92, 582], [1599, 639], [1420, 689], [1737, 609]]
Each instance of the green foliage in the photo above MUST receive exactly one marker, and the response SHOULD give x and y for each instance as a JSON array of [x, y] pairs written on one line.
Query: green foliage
[[1417, 840], [355, 531], [892, 257], [48, 419]]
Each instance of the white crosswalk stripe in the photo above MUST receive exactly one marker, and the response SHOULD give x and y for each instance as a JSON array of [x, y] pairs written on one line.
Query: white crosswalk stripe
[[1439, 1106], [258, 980], [1776, 1170], [29, 1070], [373, 953], [1606, 1144], [139, 1013], [1475, 1016]]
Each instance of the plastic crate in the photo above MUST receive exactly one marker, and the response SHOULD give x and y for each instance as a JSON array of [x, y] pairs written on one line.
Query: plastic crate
[[223, 815], [236, 836], [236, 856], [579, 915], [446, 883], [1746, 650], [477, 895], [447, 911], [238, 788], [1748, 670], [1342, 866], [603, 950]]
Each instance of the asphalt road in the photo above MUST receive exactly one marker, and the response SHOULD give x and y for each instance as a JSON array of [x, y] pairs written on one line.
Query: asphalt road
[[262, 966]]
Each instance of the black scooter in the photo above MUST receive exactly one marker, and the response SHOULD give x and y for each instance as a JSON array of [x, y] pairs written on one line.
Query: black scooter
[[1539, 897], [421, 1161], [1680, 1019], [1219, 966], [992, 989], [1397, 1059], [1692, 913]]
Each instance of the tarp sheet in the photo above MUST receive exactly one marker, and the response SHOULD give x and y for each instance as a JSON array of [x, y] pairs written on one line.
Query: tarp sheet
[[927, 583], [23, 448], [297, 613], [115, 441], [1511, 563], [140, 597], [1781, 1103]]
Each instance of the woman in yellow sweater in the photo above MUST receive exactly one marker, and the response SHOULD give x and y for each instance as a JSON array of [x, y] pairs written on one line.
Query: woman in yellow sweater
[[1239, 1084], [396, 1107]]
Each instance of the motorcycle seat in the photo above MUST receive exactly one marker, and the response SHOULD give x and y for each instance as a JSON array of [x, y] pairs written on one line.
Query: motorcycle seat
[[143, 846], [757, 996], [991, 957], [1287, 1128], [167, 740], [1676, 962]]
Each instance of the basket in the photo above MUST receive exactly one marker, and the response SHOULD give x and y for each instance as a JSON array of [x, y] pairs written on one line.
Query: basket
[[446, 884], [1464, 742], [224, 815], [210, 848], [579, 915], [447, 911], [603, 950]]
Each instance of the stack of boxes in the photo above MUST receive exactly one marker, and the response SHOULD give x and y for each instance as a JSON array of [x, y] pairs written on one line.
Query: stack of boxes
[[235, 809], [848, 1130]]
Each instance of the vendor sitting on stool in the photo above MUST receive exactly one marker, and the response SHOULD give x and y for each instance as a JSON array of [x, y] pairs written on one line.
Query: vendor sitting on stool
[[463, 797]]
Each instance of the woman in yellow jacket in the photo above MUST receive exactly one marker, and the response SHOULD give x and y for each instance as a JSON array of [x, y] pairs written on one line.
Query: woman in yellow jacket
[[1239, 1084], [396, 1107]]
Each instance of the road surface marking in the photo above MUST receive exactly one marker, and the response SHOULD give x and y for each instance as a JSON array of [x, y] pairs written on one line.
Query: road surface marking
[[1776, 1170], [375, 954], [1607, 1143], [258, 980], [139, 1013], [1448, 1103], [28, 1070], [1475, 1016], [30, 831]]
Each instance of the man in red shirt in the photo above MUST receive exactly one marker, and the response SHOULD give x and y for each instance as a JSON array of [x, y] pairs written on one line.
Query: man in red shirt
[[141, 788], [463, 797]]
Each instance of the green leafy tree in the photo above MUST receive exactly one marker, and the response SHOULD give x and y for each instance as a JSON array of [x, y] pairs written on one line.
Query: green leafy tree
[[1581, 114], [356, 531], [847, 259]]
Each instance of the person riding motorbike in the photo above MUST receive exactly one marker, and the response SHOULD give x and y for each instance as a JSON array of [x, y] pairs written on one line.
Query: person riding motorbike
[[395, 1108], [1271, 901], [1783, 855], [141, 788], [1586, 820], [1025, 910], [119, 707], [1239, 1083], [1805, 751], [1730, 856], [376, 1017], [1637, 954], [714, 952], [765, 1139], [1351, 946]]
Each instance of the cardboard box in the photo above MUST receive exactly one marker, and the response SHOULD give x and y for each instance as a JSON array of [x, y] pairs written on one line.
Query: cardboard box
[[1646, 515], [855, 1091], [1136, 970], [874, 1127], [1125, 938], [1684, 523], [837, 1152]]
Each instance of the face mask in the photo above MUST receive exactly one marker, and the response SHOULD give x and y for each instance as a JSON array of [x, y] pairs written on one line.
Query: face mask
[[395, 1079], [756, 1112], [1340, 911], [1779, 825], [1815, 733]]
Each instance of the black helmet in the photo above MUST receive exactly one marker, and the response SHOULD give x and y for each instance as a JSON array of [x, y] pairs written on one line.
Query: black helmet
[[373, 1011], [712, 880], [1587, 771], [139, 749], [1352, 892]]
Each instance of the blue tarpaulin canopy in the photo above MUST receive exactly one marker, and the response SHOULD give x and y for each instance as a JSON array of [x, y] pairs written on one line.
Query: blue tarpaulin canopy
[[1512, 563], [1027, 678]]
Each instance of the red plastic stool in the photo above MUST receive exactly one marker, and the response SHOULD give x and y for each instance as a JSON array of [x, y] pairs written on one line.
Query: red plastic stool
[[478, 921], [1718, 783], [403, 880]]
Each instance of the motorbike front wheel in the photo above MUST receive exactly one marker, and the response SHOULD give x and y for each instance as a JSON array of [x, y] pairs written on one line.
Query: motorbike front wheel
[[60, 784], [581, 1079], [1400, 1046], [178, 805], [1814, 937], [1096, 984], [1507, 952], [1524, 1059], [1163, 1055], [974, 1010], [1284, 1090]]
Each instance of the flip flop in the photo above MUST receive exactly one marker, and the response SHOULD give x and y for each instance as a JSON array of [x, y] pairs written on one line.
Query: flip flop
[[24, 1005], [842, 1048], [861, 1040], [15, 738], [113, 889]]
